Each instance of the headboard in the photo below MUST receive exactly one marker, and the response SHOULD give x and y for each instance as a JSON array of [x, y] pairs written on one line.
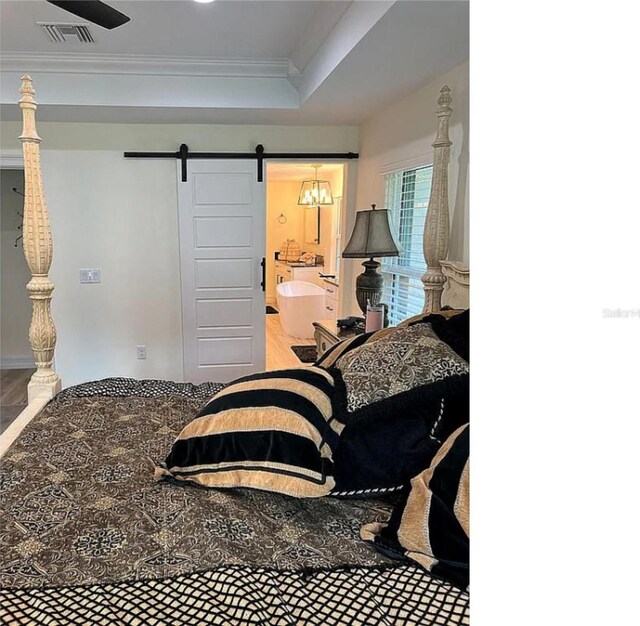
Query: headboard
[[456, 289]]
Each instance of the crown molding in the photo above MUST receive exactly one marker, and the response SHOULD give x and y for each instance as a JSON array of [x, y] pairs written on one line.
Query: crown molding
[[71, 63]]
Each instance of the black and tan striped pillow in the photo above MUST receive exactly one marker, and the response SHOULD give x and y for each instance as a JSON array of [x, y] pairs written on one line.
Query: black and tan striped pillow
[[432, 525], [273, 431]]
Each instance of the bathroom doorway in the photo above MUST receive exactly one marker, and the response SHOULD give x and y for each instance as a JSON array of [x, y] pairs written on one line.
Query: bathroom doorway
[[302, 252]]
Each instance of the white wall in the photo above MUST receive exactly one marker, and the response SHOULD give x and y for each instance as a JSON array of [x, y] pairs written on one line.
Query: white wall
[[400, 137], [15, 307], [121, 216]]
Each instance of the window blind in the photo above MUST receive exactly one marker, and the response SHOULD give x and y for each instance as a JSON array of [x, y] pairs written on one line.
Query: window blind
[[407, 196]]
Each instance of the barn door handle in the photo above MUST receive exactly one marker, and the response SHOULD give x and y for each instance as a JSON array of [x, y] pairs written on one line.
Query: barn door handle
[[264, 275]]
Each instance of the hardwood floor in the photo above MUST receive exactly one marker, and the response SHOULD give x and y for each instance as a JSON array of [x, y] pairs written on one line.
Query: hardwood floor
[[279, 353], [13, 394]]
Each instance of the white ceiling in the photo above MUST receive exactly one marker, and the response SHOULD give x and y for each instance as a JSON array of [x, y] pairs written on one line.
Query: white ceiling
[[233, 61], [180, 28]]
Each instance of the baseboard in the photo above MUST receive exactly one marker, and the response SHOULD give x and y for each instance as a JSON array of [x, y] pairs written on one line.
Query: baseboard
[[17, 362]]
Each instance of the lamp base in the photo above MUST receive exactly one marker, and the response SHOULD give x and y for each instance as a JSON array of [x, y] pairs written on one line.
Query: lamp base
[[369, 285]]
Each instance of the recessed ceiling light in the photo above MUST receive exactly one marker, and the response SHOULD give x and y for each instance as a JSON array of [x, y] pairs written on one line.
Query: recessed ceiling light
[[203, 1]]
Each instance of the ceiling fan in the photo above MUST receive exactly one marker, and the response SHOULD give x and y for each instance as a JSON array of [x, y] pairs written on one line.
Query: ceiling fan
[[95, 11]]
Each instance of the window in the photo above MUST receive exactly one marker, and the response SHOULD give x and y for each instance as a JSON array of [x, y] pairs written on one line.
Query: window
[[407, 196]]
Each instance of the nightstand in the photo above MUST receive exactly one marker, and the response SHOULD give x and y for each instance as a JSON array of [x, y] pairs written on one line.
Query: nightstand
[[327, 333]]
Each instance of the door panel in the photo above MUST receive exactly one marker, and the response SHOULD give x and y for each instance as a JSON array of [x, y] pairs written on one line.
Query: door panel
[[223, 232], [219, 273], [224, 187], [222, 211], [223, 351], [234, 312]]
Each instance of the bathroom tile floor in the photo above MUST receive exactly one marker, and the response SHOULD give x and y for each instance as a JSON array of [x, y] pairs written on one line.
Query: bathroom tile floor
[[279, 353]]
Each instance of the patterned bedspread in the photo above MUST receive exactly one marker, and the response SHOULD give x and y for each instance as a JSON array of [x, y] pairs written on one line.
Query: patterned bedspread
[[85, 526]]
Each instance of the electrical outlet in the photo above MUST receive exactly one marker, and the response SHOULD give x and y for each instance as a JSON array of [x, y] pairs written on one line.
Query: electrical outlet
[[90, 276], [141, 351]]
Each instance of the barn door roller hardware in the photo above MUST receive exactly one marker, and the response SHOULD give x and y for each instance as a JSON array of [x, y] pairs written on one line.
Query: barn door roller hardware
[[259, 155]]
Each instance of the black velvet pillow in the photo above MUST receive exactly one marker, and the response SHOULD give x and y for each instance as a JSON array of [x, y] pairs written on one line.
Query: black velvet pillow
[[384, 444], [453, 330]]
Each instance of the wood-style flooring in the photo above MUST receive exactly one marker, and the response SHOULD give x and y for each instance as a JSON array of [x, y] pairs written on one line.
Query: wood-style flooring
[[279, 352], [13, 394]]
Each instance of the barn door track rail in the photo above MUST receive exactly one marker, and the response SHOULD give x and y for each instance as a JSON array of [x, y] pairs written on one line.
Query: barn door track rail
[[259, 155]]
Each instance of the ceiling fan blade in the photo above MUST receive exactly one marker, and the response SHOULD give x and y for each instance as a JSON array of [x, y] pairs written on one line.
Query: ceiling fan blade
[[95, 11]]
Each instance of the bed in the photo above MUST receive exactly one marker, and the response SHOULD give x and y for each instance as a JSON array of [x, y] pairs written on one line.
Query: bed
[[88, 536]]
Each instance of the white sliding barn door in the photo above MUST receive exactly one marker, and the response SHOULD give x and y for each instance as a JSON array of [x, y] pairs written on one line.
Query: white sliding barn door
[[222, 211]]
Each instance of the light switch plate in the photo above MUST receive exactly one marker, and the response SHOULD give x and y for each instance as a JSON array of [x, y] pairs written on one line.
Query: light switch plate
[[90, 276]]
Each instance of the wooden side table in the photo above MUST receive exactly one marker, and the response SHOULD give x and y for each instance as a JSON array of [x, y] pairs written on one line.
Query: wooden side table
[[326, 333]]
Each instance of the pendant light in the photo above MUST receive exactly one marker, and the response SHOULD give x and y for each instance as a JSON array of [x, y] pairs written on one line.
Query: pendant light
[[315, 192]]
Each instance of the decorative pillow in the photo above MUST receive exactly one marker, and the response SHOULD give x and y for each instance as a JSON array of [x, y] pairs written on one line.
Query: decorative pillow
[[400, 361], [329, 358], [431, 526], [273, 431]]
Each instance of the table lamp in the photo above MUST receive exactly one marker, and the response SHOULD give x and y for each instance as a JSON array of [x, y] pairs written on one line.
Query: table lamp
[[371, 237]]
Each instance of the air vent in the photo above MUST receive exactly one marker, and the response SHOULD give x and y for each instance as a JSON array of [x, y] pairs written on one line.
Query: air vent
[[67, 33]]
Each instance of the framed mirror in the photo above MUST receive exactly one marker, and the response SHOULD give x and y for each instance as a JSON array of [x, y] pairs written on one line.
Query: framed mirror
[[312, 225]]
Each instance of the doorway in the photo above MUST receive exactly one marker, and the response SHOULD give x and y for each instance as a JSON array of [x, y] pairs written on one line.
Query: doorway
[[16, 359], [303, 244]]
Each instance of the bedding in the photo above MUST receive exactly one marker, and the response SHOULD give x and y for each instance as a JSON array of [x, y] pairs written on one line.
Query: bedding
[[399, 397], [431, 525], [273, 431], [89, 536]]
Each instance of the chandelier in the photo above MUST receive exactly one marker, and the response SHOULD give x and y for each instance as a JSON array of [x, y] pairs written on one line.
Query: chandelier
[[315, 192]]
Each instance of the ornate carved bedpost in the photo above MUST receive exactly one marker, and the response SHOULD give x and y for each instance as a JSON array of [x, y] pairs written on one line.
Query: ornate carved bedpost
[[436, 230], [38, 251]]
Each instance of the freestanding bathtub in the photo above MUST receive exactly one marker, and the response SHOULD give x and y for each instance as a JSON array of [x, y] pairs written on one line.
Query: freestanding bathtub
[[300, 304]]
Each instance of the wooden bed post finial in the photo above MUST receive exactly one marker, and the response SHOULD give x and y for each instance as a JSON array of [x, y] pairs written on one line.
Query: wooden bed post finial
[[436, 230], [38, 251]]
